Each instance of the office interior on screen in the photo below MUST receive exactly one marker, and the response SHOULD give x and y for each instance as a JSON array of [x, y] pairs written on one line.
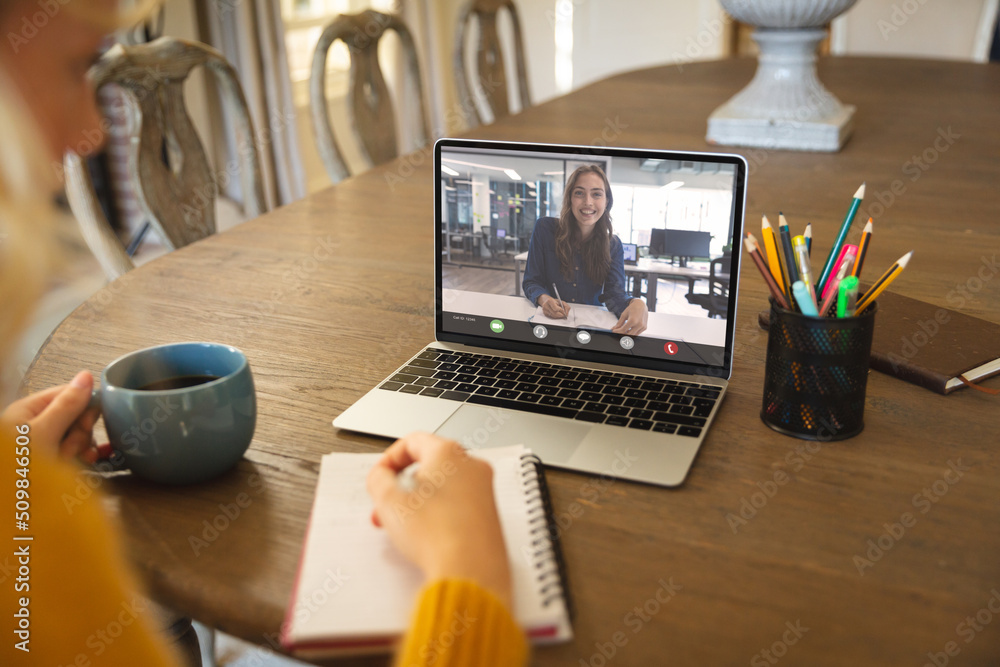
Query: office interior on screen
[[678, 213]]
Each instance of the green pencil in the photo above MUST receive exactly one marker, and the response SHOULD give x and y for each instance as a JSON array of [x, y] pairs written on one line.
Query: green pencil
[[844, 228]]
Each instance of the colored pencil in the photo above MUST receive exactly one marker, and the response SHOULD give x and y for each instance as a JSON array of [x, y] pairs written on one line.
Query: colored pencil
[[808, 234], [829, 267], [751, 245], [773, 258], [786, 249], [883, 282], [866, 239]]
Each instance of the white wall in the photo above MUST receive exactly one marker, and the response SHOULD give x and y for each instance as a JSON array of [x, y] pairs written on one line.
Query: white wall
[[608, 37], [611, 37], [946, 29]]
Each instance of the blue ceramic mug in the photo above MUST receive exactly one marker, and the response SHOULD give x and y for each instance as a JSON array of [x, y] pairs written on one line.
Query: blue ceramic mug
[[180, 413]]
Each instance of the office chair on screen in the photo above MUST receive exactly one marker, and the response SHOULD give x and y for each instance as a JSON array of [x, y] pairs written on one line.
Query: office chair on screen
[[168, 169], [717, 298], [368, 100]]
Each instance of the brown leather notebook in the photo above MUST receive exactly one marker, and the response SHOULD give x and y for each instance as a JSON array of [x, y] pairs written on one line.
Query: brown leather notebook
[[929, 345]]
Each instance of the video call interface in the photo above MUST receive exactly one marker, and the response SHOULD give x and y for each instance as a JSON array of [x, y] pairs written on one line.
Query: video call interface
[[673, 223]]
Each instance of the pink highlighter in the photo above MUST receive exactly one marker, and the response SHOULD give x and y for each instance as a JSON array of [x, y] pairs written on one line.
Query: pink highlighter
[[830, 284], [843, 267]]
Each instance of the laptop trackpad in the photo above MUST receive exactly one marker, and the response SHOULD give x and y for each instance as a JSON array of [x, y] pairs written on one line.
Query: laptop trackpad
[[553, 439]]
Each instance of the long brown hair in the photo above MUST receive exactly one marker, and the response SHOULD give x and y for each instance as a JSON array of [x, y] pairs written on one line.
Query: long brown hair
[[594, 251]]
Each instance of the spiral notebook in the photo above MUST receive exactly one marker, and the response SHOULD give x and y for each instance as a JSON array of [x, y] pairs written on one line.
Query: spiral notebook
[[355, 593]]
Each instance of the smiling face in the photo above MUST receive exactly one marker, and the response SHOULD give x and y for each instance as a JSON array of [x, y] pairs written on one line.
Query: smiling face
[[588, 201]]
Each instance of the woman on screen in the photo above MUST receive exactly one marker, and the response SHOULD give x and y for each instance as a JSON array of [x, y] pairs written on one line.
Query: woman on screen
[[577, 259]]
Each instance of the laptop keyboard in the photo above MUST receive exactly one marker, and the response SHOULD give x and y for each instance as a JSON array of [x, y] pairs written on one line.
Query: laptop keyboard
[[601, 397]]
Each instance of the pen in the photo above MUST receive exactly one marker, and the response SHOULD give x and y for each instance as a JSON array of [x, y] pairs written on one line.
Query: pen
[[751, 245], [561, 302], [802, 297], [829, 267], [883, 282], [407, 478], [834, 282], [805, 269], [847, 299], [848, 251]]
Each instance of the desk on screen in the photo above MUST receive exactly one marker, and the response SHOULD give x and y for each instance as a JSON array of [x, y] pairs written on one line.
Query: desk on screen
[[660, 325]]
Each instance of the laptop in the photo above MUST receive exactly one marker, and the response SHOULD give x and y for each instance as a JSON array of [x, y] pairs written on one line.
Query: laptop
[[581, 397]]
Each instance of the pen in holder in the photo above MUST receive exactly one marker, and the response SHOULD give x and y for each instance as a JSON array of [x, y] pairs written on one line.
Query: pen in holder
[[816, 374]]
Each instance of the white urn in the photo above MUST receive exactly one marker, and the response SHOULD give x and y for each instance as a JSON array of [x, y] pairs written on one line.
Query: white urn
[[785, 106]]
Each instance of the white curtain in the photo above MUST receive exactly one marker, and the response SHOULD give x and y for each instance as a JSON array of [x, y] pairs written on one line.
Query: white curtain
[[251, 36]]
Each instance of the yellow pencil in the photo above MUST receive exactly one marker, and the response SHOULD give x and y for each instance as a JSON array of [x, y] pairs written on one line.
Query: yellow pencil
[[883, 282], [866, 238], [774, 262]]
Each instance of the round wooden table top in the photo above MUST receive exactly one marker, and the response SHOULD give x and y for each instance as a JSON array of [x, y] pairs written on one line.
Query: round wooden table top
[[330, 294]]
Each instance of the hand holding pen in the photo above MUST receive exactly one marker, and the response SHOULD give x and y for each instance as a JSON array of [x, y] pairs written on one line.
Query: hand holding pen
[[554, 308]]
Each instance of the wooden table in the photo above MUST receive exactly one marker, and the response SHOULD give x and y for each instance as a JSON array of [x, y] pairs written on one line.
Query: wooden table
[[323, 314]]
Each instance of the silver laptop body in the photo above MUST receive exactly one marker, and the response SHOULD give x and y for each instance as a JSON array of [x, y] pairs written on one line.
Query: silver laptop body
[[667, 384]]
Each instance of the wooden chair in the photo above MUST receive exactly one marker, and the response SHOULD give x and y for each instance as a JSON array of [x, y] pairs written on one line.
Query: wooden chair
[[491, 75], [168, 168], [368, 97]]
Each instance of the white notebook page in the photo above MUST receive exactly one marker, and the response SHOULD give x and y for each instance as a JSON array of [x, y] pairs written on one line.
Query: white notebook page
[[353, 583]]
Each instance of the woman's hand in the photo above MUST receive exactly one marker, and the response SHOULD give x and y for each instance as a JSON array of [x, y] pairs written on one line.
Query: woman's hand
[[59, 417], [447, 524], [553, 308], [633, 319]]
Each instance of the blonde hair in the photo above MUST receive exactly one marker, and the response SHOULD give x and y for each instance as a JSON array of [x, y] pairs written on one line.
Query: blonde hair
[[27, 216], [28, 182]]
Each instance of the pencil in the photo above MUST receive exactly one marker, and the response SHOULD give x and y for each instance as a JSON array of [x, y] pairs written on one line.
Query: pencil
[[808, 235], [786, 248], [773, 258], [828, 267], [883, 282], [866, 238], [751, 245]]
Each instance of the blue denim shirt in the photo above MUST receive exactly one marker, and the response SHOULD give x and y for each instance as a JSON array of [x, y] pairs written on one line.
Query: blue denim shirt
[[543, 270]]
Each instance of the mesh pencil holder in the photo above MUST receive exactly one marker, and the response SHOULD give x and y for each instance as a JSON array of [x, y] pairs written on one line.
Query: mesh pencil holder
[[816, 374]]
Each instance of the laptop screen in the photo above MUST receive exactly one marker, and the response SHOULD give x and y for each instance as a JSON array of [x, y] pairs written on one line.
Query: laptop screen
[[630, 251], [563, 281]]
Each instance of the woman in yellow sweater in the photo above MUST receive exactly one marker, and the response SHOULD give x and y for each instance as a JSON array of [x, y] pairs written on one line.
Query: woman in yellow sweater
[[68, 595]]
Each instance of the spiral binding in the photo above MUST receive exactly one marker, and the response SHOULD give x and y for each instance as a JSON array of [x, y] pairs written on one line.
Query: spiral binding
[[548, 549]]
